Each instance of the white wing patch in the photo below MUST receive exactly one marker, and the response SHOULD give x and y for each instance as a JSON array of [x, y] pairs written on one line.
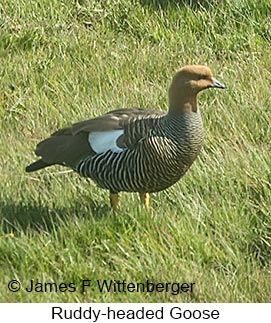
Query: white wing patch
[[102, 141]]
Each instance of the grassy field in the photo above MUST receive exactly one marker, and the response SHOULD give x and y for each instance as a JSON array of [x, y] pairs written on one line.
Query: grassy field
[[64, 61]]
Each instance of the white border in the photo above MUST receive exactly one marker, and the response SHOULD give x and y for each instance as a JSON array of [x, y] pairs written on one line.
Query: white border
[[228, 313]]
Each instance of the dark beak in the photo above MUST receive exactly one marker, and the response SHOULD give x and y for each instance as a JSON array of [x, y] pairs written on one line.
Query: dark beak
[[217, 84]]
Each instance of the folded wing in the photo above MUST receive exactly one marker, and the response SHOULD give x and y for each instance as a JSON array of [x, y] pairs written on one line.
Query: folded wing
[[111, 131]]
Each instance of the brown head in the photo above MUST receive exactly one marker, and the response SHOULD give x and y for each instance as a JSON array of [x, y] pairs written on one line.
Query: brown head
[[187, 83]]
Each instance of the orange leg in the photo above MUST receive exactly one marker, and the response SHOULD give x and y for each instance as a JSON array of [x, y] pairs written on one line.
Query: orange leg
[[145, 200], [114, 198]]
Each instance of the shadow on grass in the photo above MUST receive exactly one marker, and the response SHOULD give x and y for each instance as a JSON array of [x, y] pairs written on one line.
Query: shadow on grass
[[163, 4], [35, 217]]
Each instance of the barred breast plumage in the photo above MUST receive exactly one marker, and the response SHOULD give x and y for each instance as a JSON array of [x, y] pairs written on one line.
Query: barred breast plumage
[[155, 161], [135, 150]]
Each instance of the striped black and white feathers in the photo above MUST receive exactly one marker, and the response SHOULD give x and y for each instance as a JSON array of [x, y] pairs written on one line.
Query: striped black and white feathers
[[135, 150]]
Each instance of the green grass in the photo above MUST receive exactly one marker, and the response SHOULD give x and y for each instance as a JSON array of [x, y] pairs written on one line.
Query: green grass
[[64, 61]]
